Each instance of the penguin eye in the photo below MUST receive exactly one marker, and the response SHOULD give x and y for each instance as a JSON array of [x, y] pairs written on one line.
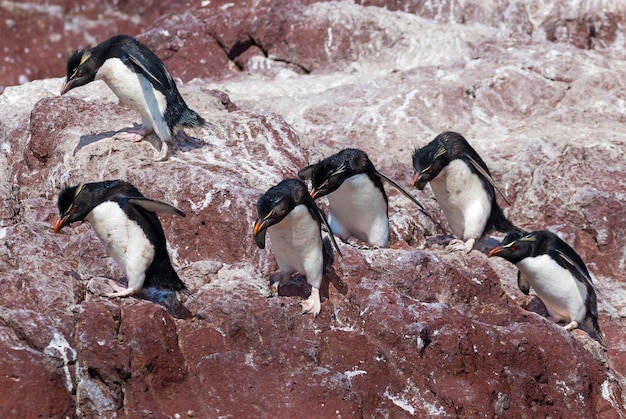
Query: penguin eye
[[79, 74]]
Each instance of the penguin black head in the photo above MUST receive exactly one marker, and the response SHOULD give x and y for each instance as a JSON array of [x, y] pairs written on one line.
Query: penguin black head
[[517, 245], [82, 67], [74, 203], [277, 203], [430, 160], [328, 175]]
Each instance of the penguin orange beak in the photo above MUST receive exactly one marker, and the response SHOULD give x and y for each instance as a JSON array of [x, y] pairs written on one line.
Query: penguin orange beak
[[416, 178], [314, 193], [67, 85], [495, 251], [259, 232], [60, 223], [260, 225]]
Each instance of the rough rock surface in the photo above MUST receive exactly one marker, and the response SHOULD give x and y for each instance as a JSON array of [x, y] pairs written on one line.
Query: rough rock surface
[[413, 330]]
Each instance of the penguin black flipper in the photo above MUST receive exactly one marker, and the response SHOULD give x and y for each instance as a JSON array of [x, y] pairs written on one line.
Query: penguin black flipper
[[522, 283], [497, 220], [403, 191], [328, 254], [154, 205], [142, 67], [572, 262], [319, 215], [485, 174]]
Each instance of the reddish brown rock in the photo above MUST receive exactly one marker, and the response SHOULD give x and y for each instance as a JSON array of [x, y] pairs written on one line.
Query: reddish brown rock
[[410, 331]]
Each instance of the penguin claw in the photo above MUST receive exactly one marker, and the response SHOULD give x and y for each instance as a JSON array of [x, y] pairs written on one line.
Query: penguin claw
[[129, 136], [162, 156], [571, 325]]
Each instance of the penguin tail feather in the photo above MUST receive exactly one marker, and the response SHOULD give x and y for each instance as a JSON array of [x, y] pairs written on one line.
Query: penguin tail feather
[[500, 223], [190, 118], [162, 275]]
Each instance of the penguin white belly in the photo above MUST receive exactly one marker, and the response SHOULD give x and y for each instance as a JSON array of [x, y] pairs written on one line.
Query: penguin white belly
[[135, 91], [124, 240], [358, 208], [297, 244], [562, 294], [463, 200]]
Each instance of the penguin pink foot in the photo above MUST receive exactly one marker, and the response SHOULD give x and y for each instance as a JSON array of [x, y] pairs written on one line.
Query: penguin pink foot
[[119, 291], [136, 135], [571, 325], [312, 305], [163, 153]]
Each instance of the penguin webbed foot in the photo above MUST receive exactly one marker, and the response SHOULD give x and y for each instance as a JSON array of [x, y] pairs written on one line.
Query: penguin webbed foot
[[312, 305], [136, 134], [119, 291], [571, 325]]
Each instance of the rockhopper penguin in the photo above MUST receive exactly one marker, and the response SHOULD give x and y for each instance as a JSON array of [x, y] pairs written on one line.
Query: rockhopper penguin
[[126, 224], [462, 186], [140, 80], [358, 204], [289, 215], [557, 274]]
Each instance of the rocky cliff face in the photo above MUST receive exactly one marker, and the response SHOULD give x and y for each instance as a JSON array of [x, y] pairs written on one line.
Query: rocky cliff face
[[412, 330]]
